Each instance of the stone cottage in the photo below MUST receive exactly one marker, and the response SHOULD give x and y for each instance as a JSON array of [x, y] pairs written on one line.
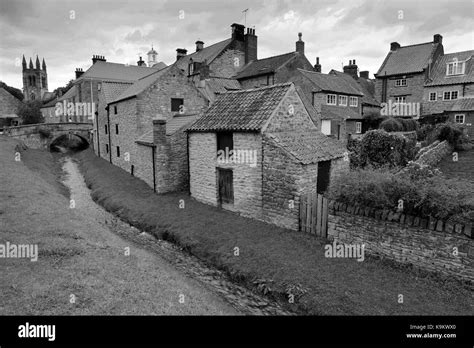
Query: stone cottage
[[256, 151]]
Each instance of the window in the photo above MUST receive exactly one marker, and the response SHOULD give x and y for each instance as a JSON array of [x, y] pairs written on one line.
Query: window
[[115, 109], [450, 95], [326, 127], [176, 104], [459, 118], [353, 101], [432, 96], [118, 151], [225, 141], [401, 100], [105, 126], [455, 68], [358, 127], [107, 148], [331, 99], [401, 82], [116, 129], [343, 100], [447, 96], [454, 94]]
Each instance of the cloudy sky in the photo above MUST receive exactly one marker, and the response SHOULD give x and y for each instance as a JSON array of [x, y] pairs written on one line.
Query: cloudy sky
[[67, 33]]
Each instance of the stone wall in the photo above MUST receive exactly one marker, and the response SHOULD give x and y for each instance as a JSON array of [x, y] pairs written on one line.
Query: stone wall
[[430, 244], [434, 154]]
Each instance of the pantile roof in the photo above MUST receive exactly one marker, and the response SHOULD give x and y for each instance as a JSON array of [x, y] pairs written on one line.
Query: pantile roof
[[117, 72], [264, 66], [112, 90], [330, 83], [438, 73], [407, 59], [214, 85], [310, 146], [245, 110]]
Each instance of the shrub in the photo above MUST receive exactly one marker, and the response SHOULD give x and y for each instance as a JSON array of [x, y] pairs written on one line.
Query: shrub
[[423, 192], [391, 125], [379, 148], [409, 125], [452, 133], [423, 131]]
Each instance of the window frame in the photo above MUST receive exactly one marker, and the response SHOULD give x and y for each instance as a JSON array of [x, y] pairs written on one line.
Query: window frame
[[343, 97], [331, 95], [435, 96], [354, 105], [106, 129], [358, 127], [222, 141], [446, 93], [115, 109], [401, 102], [460, 115], [400, 83], [459, 68], [452, 95], [116, 128]]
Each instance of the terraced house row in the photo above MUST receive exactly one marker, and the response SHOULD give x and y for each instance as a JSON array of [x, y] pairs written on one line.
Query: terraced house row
[[252, 135]]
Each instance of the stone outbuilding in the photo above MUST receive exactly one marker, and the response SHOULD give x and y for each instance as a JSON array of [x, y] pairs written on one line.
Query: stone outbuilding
[[255, 152]]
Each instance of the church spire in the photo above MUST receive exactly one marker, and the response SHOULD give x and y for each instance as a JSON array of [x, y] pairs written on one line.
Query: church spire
[[31, 64], [24, 63], [37, 62], [44, 65]]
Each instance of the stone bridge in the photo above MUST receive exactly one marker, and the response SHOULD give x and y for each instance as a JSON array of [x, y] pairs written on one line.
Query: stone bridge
[[43, 135]]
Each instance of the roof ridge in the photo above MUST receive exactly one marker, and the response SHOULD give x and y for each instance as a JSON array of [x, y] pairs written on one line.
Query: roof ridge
[[207, 47], [257, 89], [279, 55], [418, 44]]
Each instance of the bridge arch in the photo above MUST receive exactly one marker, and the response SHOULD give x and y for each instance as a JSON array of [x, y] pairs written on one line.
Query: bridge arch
[[60, 140]]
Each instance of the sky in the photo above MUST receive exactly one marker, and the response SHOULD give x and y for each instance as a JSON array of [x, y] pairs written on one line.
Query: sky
[[67, 33]]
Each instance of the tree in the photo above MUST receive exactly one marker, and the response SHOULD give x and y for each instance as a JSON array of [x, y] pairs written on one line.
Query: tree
[[61, 90], [30, 112]]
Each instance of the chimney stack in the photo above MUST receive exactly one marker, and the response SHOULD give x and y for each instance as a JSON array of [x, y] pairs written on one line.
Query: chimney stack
[[300, 44], [141, 62], [351, 69], [364, 74], [180, 53], [159, 131], [317, 66], [437, 38], [394, 46], [199, 45], [250, 45], [96, 58], [238, 32], [79, 72]]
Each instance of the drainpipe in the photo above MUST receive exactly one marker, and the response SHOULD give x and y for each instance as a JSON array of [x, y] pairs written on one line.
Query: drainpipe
[[97, 128], [187, 160], [153, 149], [108, 127]]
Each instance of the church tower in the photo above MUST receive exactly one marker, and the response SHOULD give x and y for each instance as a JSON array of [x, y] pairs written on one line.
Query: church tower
[[152, 57], [35, 80]]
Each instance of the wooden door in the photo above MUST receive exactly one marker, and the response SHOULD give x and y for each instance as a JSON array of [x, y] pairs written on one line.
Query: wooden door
[[225, 185], [324, 169]]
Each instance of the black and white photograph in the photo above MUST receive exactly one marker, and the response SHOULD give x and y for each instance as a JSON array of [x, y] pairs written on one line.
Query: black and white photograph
[[214, 172]]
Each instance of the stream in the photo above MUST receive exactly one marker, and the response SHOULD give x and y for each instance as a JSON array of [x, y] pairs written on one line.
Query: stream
[[239, 297]]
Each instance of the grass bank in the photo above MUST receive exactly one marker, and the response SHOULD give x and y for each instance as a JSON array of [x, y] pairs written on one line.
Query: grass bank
[[273, 260]]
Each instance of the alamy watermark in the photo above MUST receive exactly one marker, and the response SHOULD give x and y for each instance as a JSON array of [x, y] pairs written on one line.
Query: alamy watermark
[[336, 250], [27, 251], [75, 109], [238, 156], [400, 109]]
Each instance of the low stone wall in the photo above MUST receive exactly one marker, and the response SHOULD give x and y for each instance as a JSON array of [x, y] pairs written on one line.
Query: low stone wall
[[434, 154], [429, 244]]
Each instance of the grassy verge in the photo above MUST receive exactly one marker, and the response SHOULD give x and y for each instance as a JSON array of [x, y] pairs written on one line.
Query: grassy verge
[[271, 259]]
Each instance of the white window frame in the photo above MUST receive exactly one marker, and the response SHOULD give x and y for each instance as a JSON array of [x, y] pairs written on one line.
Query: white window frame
[[358, 127], [452, 95], [329, 96], [435, 96], [343, 97], [458, 68], [398, 101], [401, 83], [353, 101], [460, 115], [447, 93]]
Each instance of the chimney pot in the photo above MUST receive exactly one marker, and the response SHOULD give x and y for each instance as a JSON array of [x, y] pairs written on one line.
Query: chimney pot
[[250, 45], [300, 44], [180, 53], [394, 46], [238, 31]]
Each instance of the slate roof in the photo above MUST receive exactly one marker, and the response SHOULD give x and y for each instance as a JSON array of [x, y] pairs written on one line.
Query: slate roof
[[309, 146], [208, 54], [264, 66], [116, 72], [334, 112], [112, 90], [140, 85], [245, 110], [172, 126], [407, 59], [330, 83], [438, 74], [364, 86]]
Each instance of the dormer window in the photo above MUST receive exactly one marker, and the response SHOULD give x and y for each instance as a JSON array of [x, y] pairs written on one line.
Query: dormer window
[[455, 68], [191, 68]]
